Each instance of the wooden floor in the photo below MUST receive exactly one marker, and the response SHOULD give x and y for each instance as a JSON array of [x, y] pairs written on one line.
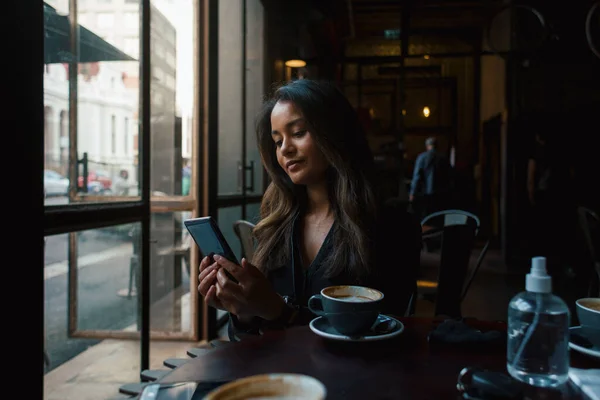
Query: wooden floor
[[98, 372]]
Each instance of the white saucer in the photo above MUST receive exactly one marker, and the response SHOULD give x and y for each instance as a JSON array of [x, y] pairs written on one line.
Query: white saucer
[[594, 351], [321, 327]]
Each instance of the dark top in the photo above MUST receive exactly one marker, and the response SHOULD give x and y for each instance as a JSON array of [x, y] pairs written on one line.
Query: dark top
[[396, 260], [432, 174]]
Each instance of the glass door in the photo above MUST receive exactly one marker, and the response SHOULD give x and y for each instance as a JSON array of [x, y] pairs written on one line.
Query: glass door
[[239, 172], [241, 90], [254, 94]]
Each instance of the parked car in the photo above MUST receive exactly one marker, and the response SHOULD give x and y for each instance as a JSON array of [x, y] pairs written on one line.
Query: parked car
[[55, 184], [97, 176]]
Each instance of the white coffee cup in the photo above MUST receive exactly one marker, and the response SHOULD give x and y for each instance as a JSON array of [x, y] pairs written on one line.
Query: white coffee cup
[[271, 386]]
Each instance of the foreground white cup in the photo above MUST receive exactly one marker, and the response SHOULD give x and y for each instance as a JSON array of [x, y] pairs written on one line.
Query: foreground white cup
[[271, 386]]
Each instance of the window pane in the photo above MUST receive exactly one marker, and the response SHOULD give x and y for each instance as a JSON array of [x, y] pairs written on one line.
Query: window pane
[[107, 96], [170, 273], [108, 262], [253, 212], [254, 90], [105, 259], [172, 88], [230, 95], [105, 20]]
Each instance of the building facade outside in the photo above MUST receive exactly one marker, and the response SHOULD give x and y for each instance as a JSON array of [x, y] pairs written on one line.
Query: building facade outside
[[108, 102]]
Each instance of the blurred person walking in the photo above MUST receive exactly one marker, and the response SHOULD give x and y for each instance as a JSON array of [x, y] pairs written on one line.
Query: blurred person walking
[[432, 183]]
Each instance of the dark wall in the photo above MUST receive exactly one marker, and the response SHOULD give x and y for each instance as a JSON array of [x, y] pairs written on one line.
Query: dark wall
[[556, 91]]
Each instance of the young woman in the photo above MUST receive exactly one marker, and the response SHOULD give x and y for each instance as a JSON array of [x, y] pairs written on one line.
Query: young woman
[[323, 222]]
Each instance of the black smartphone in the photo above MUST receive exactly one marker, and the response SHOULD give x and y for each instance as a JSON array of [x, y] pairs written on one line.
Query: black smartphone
[[179, 391], [209, 238]]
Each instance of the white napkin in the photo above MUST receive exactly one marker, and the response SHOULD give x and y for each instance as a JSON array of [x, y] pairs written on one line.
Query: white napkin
[[588, 380]]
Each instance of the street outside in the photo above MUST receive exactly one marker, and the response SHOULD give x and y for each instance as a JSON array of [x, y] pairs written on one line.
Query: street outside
[[99, 281], [103, 279]]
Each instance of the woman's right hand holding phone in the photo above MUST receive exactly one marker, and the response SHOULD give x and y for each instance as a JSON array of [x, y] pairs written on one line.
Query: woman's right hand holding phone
[[207, 279], [252, 295]]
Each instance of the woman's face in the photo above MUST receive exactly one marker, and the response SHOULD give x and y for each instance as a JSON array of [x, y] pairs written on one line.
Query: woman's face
[[296, 151]]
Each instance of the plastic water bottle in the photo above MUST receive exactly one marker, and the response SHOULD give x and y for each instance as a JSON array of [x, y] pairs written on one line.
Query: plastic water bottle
[[538, 332]]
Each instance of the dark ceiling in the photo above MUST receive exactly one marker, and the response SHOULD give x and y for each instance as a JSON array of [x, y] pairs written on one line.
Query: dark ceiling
[[449, 24], [370, 18], [334, 23]]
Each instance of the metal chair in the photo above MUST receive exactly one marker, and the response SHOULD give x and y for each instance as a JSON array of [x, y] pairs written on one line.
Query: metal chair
[[474, 270], [457, 231], [175, 362], [243, 230], [133, 389], [151, 375], [438, 220], [433, 226]]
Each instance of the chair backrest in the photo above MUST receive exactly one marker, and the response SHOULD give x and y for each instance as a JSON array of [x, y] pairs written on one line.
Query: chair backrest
[[458, 241], [471, 276], [243, 230], [590, 226], [452, 217]]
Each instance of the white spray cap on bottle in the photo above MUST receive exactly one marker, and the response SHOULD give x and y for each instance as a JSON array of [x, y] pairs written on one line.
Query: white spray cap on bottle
[[538, 280]]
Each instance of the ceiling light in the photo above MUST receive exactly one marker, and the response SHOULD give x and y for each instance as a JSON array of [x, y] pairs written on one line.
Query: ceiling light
[[295, 63]]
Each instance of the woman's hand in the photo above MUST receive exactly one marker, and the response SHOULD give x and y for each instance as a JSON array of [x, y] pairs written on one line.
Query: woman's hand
[[252, 296], [207, 279]]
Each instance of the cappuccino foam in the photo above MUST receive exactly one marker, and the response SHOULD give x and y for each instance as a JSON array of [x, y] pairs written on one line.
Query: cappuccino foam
[[354, 298]]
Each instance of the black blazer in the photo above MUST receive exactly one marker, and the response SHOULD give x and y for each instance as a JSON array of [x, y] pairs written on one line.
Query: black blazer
[[396, 261]]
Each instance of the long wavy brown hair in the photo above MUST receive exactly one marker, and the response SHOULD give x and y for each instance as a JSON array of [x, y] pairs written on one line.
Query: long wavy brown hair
[[337, 131]]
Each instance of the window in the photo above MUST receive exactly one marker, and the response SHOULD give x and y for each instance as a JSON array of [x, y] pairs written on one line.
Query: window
[[113, 134], [159, 50], [158, 74], [158, 134], [83, 19], [157, 99], [132, 21], [170, 58], [170, 81], [132, 47], [105, 20], [126, 136]]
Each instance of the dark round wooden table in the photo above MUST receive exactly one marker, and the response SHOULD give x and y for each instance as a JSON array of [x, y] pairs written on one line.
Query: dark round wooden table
[[406, 367]]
